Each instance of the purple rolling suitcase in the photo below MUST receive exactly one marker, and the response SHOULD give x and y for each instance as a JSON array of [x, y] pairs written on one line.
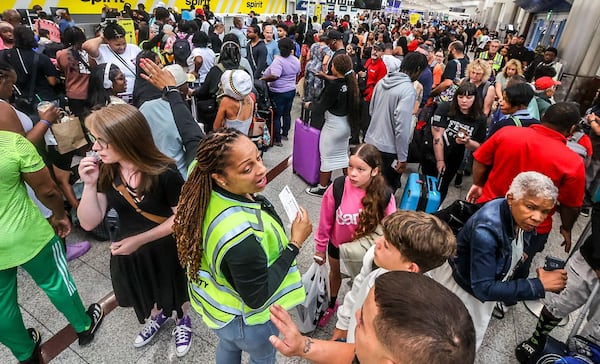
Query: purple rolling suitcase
[[306, 161]]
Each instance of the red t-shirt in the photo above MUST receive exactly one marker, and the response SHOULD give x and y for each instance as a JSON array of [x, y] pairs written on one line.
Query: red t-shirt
[[376, 70], [586, 142], [514, 149]]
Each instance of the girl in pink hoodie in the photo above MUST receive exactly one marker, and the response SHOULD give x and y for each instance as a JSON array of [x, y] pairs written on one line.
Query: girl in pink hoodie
[[366, 199]]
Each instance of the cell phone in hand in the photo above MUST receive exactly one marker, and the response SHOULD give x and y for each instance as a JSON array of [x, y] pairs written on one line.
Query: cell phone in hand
[[553, 263]]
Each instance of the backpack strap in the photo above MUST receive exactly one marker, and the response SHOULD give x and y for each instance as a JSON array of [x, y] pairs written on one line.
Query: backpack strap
[[338, 192], [517, 121], [123, 192], [458, 70], [221, 67]]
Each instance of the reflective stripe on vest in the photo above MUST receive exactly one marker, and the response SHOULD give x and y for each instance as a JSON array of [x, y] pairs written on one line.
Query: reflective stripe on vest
[[497, 60], [227, 223]]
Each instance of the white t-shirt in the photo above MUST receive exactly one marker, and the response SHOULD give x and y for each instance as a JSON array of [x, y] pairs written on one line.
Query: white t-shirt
[[208, 60], [105, 55]]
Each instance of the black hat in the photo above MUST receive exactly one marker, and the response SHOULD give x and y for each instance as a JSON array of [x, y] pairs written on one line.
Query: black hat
[[379, 46], [334, 35]]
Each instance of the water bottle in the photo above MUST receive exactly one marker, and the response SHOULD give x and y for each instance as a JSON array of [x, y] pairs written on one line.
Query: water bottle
[[112, 224]]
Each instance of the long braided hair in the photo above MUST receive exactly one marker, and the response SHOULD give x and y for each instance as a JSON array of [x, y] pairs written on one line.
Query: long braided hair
[[212, 157]]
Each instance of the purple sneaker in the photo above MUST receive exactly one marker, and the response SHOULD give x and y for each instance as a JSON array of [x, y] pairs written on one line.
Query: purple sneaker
[[76, 250], [183, 335], [150, 329]]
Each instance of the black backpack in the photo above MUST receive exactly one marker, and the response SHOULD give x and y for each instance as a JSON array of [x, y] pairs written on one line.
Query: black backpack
[[182, 46]]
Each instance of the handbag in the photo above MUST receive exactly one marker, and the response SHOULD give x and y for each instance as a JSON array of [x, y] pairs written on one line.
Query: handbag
[[316, 285], [207, 106], [69, 134], [127, 196], [457, 214], [352, 253], [257, 125]]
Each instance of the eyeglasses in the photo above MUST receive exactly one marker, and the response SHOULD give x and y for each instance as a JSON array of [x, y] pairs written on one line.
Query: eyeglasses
[[101, 142]]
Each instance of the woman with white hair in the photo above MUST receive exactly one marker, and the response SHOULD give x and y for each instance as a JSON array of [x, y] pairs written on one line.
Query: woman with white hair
[[490, 247]]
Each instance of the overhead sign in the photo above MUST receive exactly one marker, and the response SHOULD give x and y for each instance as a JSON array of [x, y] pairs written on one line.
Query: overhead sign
[[414, 18], [217, 6], [301, 5], [129, 27], [457, 10]]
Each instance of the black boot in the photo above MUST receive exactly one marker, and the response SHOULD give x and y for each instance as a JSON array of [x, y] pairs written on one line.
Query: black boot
[[535, 344], [35, 356]]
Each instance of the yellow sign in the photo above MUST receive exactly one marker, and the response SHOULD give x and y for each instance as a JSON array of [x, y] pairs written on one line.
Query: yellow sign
[[414, 18], [217, 6], [318, 12], [129, 27]]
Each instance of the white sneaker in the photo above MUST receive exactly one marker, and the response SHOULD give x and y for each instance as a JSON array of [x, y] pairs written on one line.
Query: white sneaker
[[150, 329], [183, 336]]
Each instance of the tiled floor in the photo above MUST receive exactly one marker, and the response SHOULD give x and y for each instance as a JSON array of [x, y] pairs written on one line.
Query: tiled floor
[[113, 344]]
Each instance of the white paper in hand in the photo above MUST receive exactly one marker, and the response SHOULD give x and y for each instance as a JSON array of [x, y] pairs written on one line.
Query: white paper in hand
[[289, 203]]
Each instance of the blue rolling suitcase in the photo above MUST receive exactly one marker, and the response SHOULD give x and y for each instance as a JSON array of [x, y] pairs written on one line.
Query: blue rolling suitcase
[[420, 193]]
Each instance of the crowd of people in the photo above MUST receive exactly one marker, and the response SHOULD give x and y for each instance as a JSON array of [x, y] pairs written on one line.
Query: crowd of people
[[170, 129]]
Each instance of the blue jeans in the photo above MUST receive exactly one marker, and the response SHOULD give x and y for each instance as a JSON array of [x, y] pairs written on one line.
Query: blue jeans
[[236, 337], [283, 108]]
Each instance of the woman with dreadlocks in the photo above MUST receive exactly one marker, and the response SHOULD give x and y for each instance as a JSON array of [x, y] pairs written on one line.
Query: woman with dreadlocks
[[239, 260]]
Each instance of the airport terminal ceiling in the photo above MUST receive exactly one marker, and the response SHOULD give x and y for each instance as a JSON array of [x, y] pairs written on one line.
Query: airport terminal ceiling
[[441, 5]]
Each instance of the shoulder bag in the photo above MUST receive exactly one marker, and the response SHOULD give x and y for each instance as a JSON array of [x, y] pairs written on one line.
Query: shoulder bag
[[127, 196]]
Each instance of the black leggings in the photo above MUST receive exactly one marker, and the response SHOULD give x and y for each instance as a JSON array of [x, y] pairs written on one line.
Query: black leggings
[[333, 252]]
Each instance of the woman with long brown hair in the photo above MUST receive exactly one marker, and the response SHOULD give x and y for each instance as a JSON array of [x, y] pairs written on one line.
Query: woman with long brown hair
[[338, 107], [234, 248], [366, 200], [143, 185]]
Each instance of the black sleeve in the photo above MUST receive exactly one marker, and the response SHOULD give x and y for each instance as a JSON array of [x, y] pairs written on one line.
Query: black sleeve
[[245, 267], [591, 247], [216, 43], [499, 125], [327, 99], [48, 69], [479, 133], [449, 71], [172, 184], [213, 77], [149, 44], [189, 130], [261, 62], [440, 118]]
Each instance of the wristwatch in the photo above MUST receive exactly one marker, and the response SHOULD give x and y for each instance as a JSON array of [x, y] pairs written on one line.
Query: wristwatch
[[169, 89]]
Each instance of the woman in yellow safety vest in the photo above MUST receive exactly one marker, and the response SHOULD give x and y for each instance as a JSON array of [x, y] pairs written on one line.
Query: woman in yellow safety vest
[[233, 245]]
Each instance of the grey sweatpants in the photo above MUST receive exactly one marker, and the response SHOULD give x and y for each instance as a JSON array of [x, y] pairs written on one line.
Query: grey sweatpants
[[580, 282]]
